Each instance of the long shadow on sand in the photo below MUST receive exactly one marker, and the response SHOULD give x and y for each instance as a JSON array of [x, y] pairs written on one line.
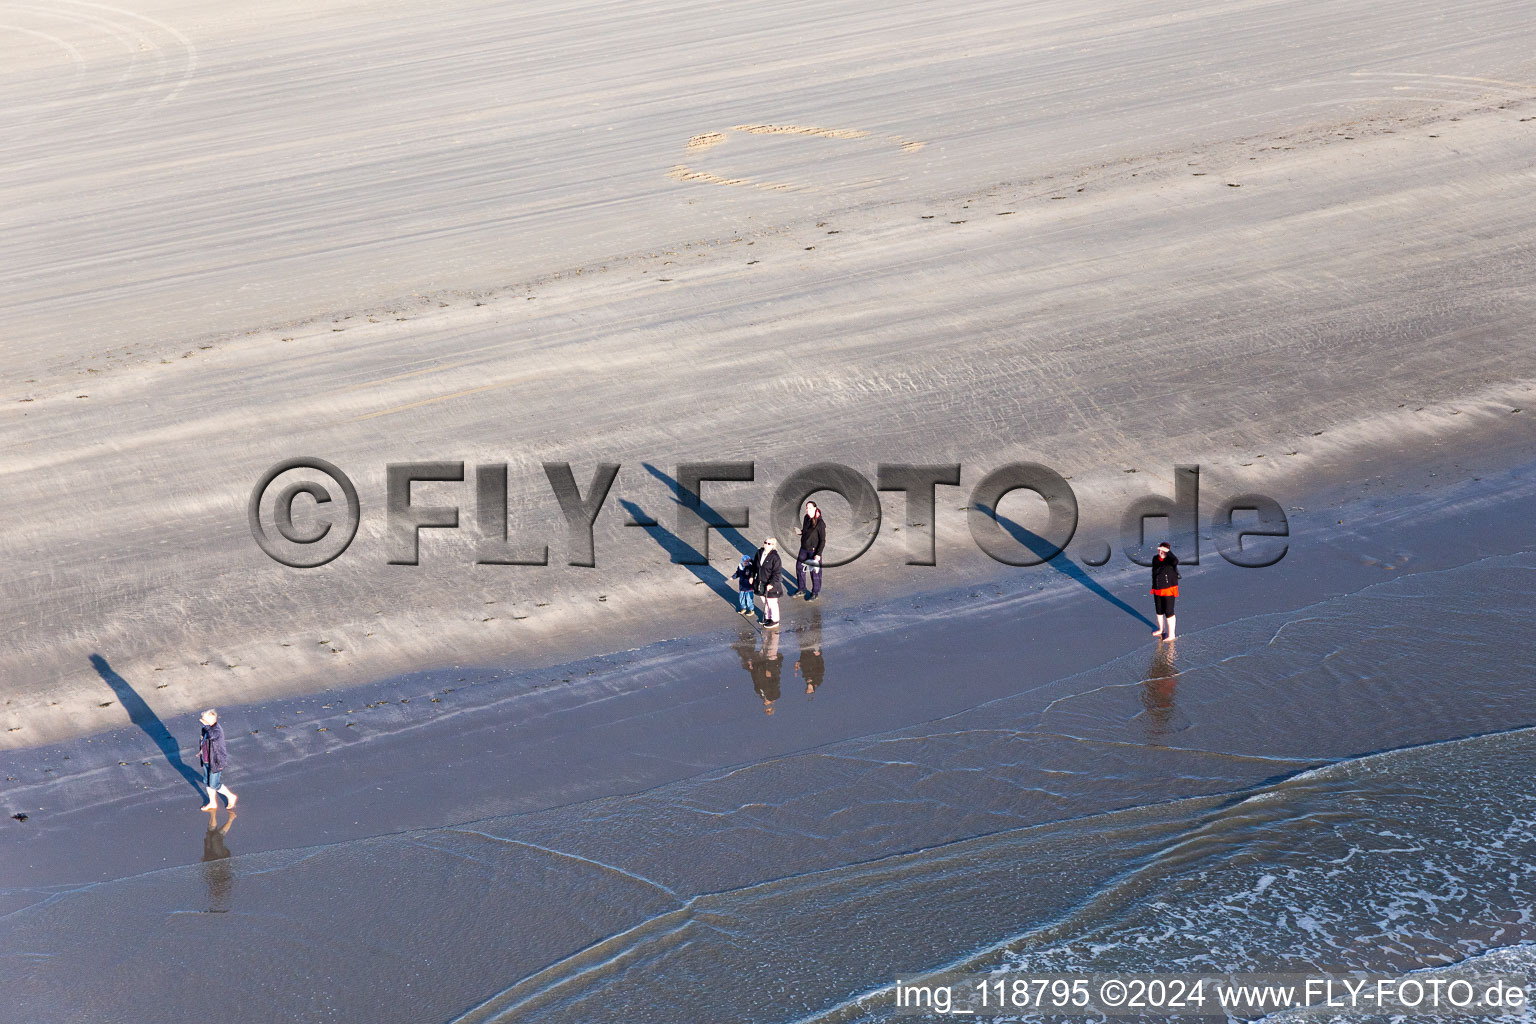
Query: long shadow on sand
[[680, 550], [707, 511], [140, 714], [1058, 561]]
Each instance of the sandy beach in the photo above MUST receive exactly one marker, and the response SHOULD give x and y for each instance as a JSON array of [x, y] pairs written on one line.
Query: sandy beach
[[1289, 243]]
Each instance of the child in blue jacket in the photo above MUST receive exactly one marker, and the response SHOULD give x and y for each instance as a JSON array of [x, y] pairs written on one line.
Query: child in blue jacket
[[746, 578]]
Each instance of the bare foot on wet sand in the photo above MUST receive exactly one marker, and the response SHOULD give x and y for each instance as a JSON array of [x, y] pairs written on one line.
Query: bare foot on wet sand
[[209, 807]]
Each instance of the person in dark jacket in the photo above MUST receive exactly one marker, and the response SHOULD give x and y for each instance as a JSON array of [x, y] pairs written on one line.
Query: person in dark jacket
[[1165, 587], [767, 582], [813, 538], [745, 577], [214, 756]]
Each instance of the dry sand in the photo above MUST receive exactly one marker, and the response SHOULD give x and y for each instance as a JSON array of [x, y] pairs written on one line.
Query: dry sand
[[1273, 239]]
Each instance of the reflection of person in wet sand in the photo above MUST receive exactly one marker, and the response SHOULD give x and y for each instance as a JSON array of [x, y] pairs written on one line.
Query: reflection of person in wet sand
[[1157, 692], [766, 665], [218, 873], [745, 646], [809, 665]]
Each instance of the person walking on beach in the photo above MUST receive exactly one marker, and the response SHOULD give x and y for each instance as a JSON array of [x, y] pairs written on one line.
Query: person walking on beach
[[813, 538], [745, 577], [215, 757], [1165, 587], [767, 582]]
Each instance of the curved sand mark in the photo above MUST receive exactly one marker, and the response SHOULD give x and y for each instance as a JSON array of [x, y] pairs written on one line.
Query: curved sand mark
[[1446, 88], [705, 141], [70, 50], [708, 140], [1524, 86], [682, 172], [162, 60], [75, 58]]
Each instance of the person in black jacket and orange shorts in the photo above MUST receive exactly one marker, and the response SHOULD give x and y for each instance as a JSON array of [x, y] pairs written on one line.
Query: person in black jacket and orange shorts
[[1165, 587]]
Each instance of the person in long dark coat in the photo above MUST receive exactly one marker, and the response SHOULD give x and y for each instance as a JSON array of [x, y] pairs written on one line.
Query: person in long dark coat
[[813, 539], [1165, 587], [768, 582]]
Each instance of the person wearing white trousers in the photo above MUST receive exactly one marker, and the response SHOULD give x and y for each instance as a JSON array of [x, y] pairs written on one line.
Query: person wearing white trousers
[[769, 582]]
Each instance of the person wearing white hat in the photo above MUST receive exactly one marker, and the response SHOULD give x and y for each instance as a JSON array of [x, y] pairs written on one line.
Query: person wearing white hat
[[1165, 587], [769, 585]]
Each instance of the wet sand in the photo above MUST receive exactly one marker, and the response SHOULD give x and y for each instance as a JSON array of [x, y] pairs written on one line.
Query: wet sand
[[550, 843]]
